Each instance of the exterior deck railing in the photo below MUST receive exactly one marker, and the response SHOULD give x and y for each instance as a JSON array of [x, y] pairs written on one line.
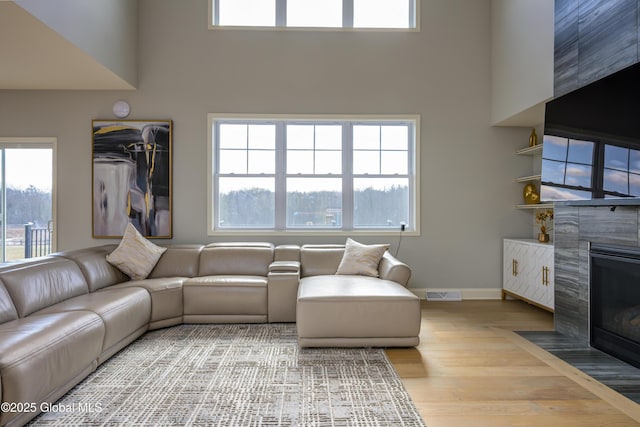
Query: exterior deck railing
[[37, 241]]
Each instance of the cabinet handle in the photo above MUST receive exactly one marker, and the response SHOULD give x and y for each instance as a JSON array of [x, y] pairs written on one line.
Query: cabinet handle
[[514, 267], [545, 276]]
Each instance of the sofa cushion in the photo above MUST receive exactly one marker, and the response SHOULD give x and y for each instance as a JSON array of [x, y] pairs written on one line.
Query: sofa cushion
[[361, 259], [351, 288], [41, 283], [135, 256], [166, 297], [96, 270], [242, 258], [178, 261], [320, 259], [225, 295], [124, 312], [371, 307]]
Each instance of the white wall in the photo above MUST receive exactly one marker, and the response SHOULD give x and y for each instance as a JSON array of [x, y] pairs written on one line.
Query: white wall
[[104, 29], [442, 73], [522, 61]]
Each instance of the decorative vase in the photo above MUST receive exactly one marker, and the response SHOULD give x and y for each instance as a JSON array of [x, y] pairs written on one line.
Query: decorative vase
[[533, 138], [543, 236]]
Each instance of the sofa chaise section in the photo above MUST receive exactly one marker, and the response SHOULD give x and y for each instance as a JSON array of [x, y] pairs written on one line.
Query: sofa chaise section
[[351, 310]]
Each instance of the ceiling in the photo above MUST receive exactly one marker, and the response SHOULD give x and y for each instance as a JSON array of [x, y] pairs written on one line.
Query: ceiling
[[33, 56]]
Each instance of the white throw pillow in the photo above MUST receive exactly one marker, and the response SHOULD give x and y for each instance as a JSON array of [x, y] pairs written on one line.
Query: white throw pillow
[[361, 259], [135, 256]]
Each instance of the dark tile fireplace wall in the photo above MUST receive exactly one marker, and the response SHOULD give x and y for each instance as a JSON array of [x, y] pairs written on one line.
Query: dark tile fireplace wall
[[593, 39], [574, 228]]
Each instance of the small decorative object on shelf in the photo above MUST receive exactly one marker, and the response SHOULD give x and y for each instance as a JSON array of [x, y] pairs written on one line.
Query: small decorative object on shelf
[[541, 218], [530, 194], [533, 138]]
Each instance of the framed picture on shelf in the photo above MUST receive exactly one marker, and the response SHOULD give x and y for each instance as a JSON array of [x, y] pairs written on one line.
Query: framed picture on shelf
[[132, 181]]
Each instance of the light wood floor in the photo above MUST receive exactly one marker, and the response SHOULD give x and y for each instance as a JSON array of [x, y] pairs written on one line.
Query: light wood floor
[[470, 369]]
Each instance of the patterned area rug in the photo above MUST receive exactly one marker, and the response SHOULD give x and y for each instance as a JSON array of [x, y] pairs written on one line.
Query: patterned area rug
[[237, 375]]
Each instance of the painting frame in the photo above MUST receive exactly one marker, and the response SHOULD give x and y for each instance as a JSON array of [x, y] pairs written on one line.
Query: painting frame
[[132, 177]]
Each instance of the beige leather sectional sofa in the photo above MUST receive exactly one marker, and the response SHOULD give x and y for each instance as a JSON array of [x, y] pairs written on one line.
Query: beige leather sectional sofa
[[63, 315]]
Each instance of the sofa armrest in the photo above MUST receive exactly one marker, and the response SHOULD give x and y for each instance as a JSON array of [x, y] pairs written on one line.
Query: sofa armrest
[[282, 291], [284, 267], [391, 268]]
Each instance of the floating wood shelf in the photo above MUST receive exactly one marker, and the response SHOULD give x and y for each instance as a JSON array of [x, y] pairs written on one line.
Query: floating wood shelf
[[529, 178], [530, 151], [536, 206]]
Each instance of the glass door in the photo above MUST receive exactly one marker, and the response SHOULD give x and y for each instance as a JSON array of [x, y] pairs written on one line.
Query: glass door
[[26, 200]]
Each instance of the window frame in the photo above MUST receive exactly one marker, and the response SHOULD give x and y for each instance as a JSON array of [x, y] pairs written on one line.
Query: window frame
[[347, 19], [280, 227], [37, 142]]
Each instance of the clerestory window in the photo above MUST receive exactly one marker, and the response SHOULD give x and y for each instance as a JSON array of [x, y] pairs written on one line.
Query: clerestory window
[[313, 174], [378, 14]]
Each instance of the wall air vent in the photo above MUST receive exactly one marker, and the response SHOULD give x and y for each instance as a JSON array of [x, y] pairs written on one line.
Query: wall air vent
[[444, 296]]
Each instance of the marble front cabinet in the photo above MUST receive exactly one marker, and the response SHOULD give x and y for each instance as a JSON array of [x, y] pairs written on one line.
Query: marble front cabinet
[[528, 272]]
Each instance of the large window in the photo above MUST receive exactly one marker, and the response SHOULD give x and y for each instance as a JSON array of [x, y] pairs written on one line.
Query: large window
[[312, 174], [397, 14]]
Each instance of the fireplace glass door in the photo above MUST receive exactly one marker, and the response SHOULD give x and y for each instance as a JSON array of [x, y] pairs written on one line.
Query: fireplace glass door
[[615, 301]]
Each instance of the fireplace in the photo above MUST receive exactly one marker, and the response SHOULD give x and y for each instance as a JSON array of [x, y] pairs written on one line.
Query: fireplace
[[614, 301]]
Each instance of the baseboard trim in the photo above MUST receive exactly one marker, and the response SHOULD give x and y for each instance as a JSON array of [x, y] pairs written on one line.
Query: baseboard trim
[[467, 293]]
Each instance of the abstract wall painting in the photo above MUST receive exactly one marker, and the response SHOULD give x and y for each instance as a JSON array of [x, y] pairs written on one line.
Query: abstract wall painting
[[132, 181]]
